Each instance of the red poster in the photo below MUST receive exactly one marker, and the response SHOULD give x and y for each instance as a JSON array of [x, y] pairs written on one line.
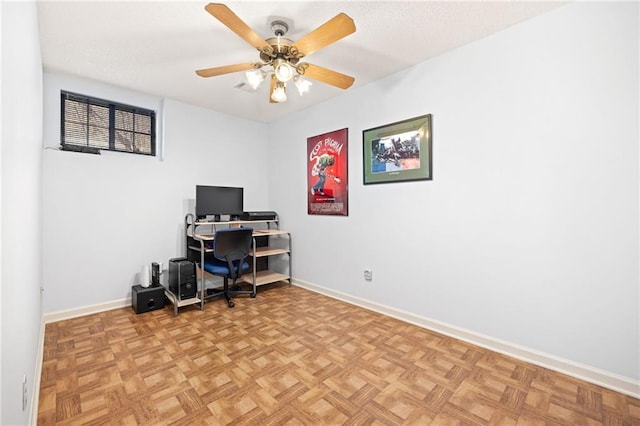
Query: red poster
[[327, 180]]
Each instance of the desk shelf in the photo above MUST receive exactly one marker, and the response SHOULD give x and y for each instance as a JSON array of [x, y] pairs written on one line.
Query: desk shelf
[[266, 277], [268, 251], [183, 302]]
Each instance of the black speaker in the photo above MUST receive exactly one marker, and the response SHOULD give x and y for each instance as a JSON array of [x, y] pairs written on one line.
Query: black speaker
[[147, 299], [182, 278], [155, 273]]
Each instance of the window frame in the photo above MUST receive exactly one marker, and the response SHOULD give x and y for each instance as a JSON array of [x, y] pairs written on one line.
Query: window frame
[[113, 108]]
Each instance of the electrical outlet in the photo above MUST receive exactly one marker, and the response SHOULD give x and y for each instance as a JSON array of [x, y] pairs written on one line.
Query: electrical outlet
[[368, 275], [24, 392]]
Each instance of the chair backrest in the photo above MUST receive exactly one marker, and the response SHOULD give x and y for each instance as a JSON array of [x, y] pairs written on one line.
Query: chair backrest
[[232, 244]]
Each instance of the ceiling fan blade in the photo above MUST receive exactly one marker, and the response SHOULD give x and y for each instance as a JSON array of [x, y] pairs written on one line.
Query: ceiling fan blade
[[227, 69], [328, 76], [331, 31], [225, 15]]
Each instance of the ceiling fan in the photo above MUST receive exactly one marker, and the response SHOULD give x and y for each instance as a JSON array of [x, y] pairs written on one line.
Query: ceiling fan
[[281, 56]]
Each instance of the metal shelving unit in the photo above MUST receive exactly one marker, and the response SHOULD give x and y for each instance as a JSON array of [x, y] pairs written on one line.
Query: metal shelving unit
[[199, 236]]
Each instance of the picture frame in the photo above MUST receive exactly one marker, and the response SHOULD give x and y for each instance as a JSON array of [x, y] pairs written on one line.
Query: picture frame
[[398, 152]]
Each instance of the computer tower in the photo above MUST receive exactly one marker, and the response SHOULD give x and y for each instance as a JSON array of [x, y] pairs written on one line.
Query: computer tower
[[182, 278]]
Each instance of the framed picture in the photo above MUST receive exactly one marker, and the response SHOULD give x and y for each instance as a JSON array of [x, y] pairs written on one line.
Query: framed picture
[[327, 180], [398, 152]]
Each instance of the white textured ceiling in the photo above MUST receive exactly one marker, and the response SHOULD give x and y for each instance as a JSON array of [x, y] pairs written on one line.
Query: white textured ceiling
[[155, 47]]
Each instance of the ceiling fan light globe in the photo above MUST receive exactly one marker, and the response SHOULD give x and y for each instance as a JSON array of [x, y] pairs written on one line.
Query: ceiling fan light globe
[[254, 78], [302, 84], [283, 71], [279, 94]]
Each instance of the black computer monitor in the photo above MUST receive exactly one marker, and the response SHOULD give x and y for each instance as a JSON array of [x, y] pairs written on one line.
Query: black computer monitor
[[219, 200]]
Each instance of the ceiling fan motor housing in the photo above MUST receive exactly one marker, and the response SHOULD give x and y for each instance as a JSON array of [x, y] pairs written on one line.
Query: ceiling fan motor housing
[[281, 46]]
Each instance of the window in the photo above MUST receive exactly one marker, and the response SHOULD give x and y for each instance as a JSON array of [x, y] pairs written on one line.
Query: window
[[90, 124]]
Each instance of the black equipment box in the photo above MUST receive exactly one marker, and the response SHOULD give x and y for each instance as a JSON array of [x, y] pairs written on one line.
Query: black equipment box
[[182, 278], [146, 299], [258, 216], [155, 273]]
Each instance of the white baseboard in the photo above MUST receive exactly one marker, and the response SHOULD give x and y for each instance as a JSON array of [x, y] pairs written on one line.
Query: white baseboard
[[580, 371], [85, 310]]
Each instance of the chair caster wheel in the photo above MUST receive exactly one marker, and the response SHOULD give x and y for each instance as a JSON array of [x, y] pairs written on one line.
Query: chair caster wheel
[[231, 304], [253, 295]]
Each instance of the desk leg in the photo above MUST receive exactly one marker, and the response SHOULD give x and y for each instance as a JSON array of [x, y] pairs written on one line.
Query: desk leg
[[255, 289], [202, 290]]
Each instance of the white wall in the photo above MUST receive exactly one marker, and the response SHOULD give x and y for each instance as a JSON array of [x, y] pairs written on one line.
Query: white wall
[[107, 215], [21, 179], [529, 231]]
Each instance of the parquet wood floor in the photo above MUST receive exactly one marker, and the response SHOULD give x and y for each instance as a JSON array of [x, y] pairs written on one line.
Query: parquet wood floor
[[294, 357]]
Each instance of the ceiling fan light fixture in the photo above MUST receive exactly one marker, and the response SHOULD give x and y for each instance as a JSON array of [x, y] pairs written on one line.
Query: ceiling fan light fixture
[[283, 70], [279, 93], [254, 78], [302, 84]]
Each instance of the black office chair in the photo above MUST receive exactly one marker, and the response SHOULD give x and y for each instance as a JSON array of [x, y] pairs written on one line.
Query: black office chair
[[230, 247]]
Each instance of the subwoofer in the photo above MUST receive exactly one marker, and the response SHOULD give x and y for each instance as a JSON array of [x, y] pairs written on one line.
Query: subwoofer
[[146, 299], [182, 278]]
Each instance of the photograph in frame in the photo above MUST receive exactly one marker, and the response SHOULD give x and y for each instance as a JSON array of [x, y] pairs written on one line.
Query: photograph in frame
[[398, 152]]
